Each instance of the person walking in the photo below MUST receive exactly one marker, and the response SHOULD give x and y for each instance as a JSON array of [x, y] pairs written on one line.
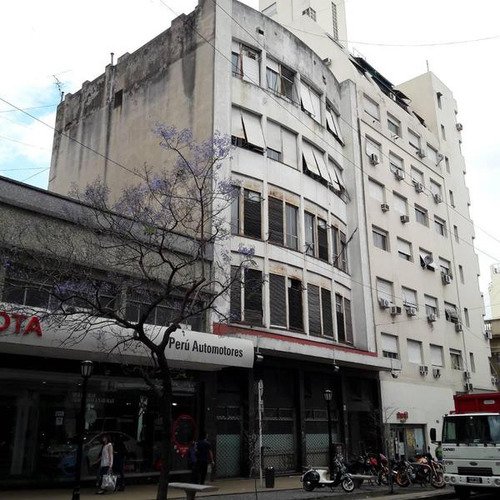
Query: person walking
[[105, 461], [120, 451], [205, 457]]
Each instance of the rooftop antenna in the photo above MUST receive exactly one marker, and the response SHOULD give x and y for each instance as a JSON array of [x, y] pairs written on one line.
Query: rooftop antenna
[[59, 86], [427, 64], [112, 56]]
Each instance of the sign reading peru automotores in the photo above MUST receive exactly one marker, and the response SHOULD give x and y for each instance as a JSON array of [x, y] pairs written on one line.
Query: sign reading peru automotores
[[19, 323]]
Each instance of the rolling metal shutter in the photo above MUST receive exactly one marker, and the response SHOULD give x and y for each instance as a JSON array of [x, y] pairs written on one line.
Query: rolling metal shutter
[[275, 221], [277, 299], [314, 309]]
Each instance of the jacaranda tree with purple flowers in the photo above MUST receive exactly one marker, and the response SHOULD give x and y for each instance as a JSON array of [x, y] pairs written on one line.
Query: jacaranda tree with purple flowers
[[156, 249]]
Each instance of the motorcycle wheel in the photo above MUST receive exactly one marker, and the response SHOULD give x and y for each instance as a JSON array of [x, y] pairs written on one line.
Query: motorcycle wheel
[[402, 479], [383, 478], [308, 485], [437, 480], [347, 484]]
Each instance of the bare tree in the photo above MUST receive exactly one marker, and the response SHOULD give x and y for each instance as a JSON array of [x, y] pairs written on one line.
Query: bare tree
[[160, 244]]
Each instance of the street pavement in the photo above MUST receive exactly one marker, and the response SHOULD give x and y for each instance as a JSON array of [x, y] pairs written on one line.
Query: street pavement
[[286, 488]]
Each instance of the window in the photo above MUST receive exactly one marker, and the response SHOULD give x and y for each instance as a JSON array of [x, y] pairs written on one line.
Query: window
[[371, 107], [291, 225], [339, 245], [472, 362], [409, 297], [245, 63], [384, 290], [432, 154], [246, 306], [466, 317], [333, 124], [389, 346], [280, 79], [380, 238], [444, 266], [320, 311], [376, 190], [274, 144], [372, 147], [447, 163], [281, 144], [443, 132], [313, 162], [235, 214], [393, 124], [450, 312], [452, 198], [247, 131], [417, 176], [326, 310], [295, 304], [435, 188], [415, 352], [277, 300], [455, 232], [276, 226], [310, 12], [336, 177], [456, 359], [118, 100], [413, 139], [396, 164], [310, 101], [335, 27], [426, 259], [309, 233], [404, 249], [440, 226], [430, 305], [252, 225], [421, 215], [323, 252], [461, 273], [343, 317], [400, 204], [436, 355], [439, 97]]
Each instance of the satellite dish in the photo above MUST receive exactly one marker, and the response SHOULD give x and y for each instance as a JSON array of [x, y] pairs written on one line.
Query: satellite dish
[[428, 260]]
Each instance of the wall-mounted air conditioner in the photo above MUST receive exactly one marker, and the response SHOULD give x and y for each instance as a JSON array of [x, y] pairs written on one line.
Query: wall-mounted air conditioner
[[411, 310], [468, 387], [437, 198], [395, 310], [419, 187], [436, 372], [458, 327], [374, 159], [421, 153], [384, 207], [460, 127], [384, 303], [405, 219], [399, 174], [431, 317], [445, 278], [424, 370]]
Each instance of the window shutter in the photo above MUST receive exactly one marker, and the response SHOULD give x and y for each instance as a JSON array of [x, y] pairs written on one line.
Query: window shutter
[[384, 289], [333, 177], [295, 304], [322, 240], [371, 147], [274, 136], [389, 343], [348, 321], [409, 297], [275, 221], [237, 124], [436, 355], [417, 176], [316, 105], [252, 215], [343, 250], [320, 162], [253, 129], [326, 308], [253, 296], [305, 98], [400, 204], [292, 235], [274, 66], [277, 296], [376, 190], [314, 309], [339, 174], [339, 309], [335, 246], [235, 292], [309, 160], [289, 148], [404, 247], [414, 352], [250, 62]]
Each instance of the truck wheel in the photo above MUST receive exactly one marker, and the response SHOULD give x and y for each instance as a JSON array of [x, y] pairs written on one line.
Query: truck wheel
[[462, 493]]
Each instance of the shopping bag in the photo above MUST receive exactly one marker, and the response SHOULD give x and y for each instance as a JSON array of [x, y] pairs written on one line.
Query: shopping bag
[[108, 482]]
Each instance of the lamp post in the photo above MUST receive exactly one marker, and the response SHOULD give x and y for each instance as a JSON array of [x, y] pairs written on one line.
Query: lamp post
[[328, 395], [86, 368]]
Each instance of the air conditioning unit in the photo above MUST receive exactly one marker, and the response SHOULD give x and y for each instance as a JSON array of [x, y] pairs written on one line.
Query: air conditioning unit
[[384, 303], [437, 198], [384, 207], [458, 327], [460, 127], [419, 187], [445, 278], [431, 317], [399, 174], [494, 380], [421, 153], [395, 310], [424, 370], [468, 387], [488, 335], [436, 372], [411, 310], [466, 375], [404, 219], [374, 159]]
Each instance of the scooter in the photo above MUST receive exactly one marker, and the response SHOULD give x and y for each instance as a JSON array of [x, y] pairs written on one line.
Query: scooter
[[321, 477]]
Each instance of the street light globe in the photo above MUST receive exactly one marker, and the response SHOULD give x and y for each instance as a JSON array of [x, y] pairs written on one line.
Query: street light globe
[[328, 394], [87, 367]]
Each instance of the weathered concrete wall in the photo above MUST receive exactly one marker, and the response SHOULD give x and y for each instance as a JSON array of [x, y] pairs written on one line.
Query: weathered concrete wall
[[168, 80]]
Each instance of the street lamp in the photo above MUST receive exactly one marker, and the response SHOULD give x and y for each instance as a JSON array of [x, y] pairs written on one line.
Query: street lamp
[[328, 395], [86, 369]]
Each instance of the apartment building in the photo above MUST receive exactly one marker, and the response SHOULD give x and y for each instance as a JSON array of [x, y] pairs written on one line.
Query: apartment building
[[428, 310], [493, 323], [306, 304]]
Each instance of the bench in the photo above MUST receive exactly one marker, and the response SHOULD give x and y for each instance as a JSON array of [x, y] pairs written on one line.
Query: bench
[[191, 489]]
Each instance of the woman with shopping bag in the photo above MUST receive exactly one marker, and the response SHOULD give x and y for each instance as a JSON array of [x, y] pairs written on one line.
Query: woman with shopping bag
[[106, 479]]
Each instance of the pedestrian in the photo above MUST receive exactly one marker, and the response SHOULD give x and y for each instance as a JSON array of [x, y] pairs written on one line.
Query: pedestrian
[[193, 462], [119, 461], [439, 452], [105, 462], [205, 457]]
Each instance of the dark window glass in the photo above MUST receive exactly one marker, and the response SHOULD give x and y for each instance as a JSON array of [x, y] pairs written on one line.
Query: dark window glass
[[326, 308], [253, 296], [235, 291], [314, 309], [252, 214], [339, 307], [295, 304], [322, 240]]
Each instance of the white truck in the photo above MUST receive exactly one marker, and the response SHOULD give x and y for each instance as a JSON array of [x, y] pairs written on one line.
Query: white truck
[[471, 444]]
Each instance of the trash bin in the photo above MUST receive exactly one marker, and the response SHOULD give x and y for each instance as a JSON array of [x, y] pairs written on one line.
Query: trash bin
[[269, 477]]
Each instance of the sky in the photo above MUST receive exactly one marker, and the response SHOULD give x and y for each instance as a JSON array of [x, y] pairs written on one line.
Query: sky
[[55, 45]]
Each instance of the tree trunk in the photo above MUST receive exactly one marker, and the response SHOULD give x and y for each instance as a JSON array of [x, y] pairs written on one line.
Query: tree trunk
[[166, 433]]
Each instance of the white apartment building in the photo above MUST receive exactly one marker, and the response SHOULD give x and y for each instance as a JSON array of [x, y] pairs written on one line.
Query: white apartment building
[[428, 310]]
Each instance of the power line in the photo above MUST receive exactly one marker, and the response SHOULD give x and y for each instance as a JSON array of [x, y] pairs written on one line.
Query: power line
[[23, 143], [34, 175], [27, 109]]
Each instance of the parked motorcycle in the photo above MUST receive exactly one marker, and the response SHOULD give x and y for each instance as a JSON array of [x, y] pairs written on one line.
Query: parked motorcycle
[[321, 477], [424, 470]]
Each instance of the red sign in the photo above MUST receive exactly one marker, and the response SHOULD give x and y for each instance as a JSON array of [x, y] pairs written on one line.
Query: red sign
[[184, 433], [22, 323], [402, 415]]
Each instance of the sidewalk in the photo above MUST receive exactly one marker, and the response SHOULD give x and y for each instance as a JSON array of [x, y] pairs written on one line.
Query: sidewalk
[[286, 488]]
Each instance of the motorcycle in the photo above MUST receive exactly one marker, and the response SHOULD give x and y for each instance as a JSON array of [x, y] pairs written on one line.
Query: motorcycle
[[321, 477], [425, 470]]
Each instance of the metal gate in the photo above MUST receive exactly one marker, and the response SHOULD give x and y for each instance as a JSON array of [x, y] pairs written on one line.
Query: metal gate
[[229, 438], [316, 427], [279, 441]]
